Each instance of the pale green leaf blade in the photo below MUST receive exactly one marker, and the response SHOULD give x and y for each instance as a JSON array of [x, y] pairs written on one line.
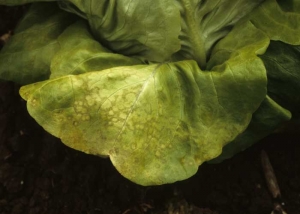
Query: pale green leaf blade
[[157, 123], [27, 55], [80, 53]]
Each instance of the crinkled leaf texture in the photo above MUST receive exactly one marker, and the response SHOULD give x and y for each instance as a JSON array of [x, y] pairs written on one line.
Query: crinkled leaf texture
[[27, 56]]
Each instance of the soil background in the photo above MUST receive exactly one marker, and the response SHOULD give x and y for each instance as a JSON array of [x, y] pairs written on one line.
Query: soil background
[[39, 174]]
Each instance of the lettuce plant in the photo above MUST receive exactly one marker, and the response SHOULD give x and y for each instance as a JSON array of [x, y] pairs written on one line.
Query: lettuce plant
[[157, 86]]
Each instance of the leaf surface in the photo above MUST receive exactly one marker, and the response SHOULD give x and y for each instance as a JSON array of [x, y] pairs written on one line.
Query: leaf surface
[[157, 123]]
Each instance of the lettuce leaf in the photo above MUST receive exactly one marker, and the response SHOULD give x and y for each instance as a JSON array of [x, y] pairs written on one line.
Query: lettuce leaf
[[157, 123]]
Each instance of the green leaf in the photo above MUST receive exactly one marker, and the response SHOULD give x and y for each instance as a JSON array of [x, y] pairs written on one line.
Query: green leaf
[[204, 23], [157, 123], [148, 29], [27, 55], [278, 24], [265, 120], [282, 62], [80, 53]]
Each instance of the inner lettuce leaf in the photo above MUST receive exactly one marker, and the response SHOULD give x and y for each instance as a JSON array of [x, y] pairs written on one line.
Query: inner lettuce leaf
[[204, 23], [157, 123], [80, 52], [148, 29], [27, 56]]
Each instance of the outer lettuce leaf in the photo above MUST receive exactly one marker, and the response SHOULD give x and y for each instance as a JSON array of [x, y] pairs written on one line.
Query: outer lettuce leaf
[[80, 53], [277, 23], [157, 123], [204, 23], [283, 65], [265, 120], [27, 55]]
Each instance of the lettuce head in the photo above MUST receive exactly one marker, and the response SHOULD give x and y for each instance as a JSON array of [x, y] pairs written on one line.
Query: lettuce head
[[159, 87]]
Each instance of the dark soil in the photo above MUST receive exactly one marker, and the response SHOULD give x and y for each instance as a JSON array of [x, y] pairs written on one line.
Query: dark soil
[[38, 174]]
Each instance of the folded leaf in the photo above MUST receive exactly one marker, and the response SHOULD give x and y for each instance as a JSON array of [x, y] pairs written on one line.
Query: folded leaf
[[80, 53], [27, 56]]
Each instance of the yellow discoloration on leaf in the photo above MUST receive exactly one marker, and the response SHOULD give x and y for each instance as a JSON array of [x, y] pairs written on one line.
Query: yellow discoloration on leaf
[[153, 122]]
